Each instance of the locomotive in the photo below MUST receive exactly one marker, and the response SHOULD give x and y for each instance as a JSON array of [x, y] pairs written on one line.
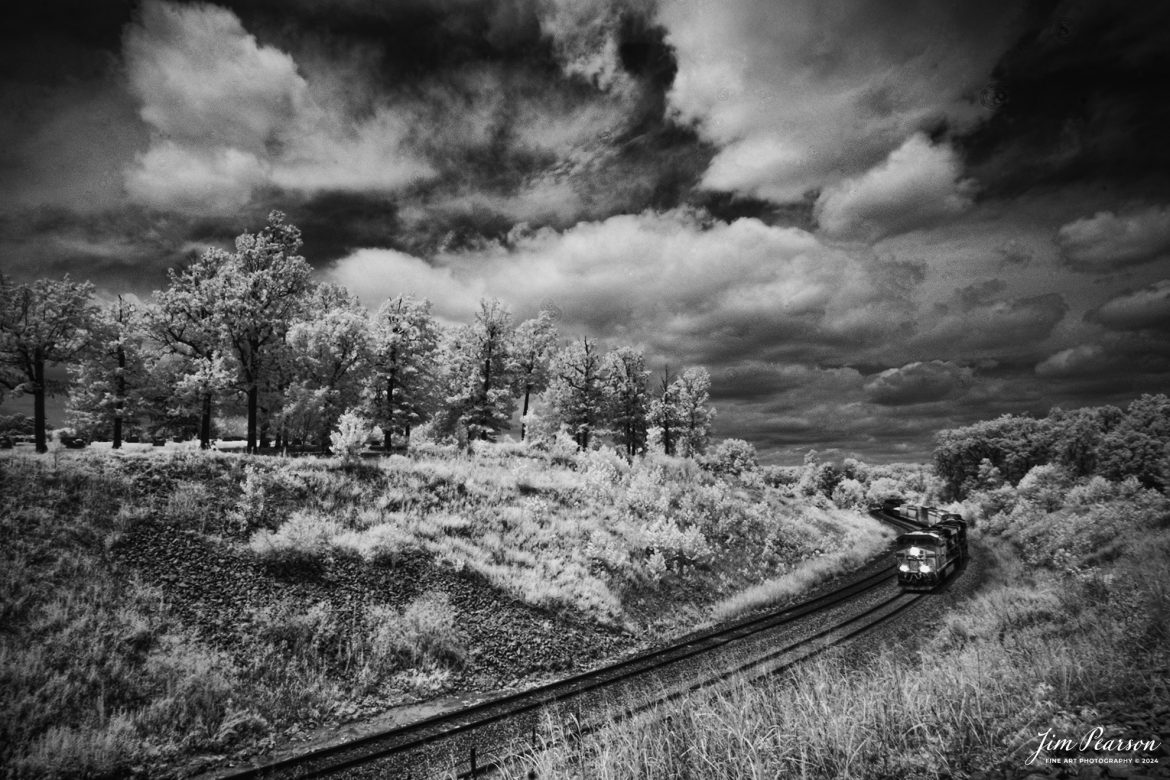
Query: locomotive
[[926, 556]]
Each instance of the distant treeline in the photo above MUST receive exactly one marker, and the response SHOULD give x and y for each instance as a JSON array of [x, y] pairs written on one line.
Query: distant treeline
[[1105, 440], [252, 326]]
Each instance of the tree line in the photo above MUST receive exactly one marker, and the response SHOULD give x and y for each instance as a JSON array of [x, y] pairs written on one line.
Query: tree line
[[1106, 440], [252, 326]]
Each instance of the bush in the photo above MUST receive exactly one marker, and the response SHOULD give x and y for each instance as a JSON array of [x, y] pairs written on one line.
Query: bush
[[1044, 486], [349, 438], [71, 439], [424, 633], [732, 457], [884, 489], [849, 494], [304, 538]]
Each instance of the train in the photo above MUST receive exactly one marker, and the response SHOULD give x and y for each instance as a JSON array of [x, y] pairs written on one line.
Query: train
[[928, 555]]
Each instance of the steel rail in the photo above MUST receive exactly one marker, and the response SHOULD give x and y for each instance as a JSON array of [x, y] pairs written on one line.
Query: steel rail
[[906, 600], [402, 739]]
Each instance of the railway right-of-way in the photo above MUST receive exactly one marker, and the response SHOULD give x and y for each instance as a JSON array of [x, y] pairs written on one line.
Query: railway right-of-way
[[471, 741]]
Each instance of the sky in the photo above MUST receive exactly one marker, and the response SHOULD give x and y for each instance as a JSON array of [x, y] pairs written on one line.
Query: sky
[[869, 220]]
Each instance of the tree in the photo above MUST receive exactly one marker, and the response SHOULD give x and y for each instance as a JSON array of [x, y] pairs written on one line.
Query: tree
[[665, 411], [576, 389], [694, 413], [110, 374], [178, 393], [1013, 444], [624, 378], [1139, 444], [404, 346], [43, 323], [265, 285], [185, 321], [328, 353], [479, 381], [533, 345]]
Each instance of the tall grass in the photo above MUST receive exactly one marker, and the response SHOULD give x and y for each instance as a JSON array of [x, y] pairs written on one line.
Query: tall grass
[[101, 673], [583, 536], [98, 674], [1054, 640]]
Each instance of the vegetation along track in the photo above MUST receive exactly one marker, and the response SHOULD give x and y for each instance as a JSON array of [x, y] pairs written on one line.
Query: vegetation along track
[[468, 742]]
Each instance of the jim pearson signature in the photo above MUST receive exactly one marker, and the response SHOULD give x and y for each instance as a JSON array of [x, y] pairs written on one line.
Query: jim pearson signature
[[1094, 740]]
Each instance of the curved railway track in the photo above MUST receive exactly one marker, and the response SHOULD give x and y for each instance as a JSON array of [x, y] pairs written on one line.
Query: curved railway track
[[467, 742]]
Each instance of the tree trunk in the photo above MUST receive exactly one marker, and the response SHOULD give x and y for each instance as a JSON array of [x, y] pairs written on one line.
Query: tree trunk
[[39, 403], [390, 382], [205, 423], [253, 404], [523, 426], [487, 384], [120, 403]]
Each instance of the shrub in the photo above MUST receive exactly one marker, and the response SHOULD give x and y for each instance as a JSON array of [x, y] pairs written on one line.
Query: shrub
[[732, 457], [883, 489], [303, 538], [383, 543], [348, 439], [849, 494], [424, 633], [1044, 486], [71, 439]]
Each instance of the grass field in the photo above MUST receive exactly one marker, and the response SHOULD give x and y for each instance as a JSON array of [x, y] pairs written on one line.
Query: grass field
[[1070, 632], [164, 608]]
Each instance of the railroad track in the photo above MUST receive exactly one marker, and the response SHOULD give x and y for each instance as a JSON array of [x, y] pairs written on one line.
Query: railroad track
[[469, 742]]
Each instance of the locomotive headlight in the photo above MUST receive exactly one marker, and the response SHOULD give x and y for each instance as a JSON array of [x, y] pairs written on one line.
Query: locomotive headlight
[[924, 568], [904, 567], [914, 552]]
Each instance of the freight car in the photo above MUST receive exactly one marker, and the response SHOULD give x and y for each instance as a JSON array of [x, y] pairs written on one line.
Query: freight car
[[926, 557]]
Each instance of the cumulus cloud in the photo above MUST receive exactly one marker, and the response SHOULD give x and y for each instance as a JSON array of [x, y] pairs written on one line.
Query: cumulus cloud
[[673, 281], [202, 77], [1107, 241], [803, 94], [972, 324], [205, 181], [1081, 360], [917, 383], [377, 274], [916, 185], [231, 115], [1144, 309]]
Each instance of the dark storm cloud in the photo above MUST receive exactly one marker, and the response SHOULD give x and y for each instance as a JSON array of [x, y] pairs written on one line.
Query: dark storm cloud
[[1082, 95], [1107, 241], [123, 250], [975, 323], [1139, 310]]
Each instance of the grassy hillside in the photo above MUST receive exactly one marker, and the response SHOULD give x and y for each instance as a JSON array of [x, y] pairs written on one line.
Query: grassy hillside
[[1070, 631], [164, 609]]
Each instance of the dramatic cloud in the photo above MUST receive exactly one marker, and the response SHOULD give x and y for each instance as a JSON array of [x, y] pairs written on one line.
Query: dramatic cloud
[[868, 220], [917, 383], [1108, 241], [916, 185], [974, 325], [1144, 309], [793, 107], [231, 115], [698, 291]]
